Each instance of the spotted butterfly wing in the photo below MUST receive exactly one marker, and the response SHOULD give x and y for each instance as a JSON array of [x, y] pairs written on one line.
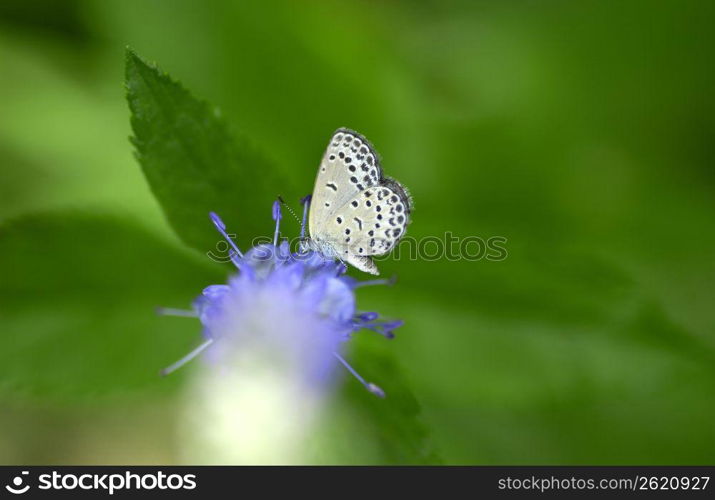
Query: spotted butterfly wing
[[355, 211]]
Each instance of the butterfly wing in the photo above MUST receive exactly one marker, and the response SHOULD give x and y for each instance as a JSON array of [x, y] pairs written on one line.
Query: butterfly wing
[[375, 220], [349, 166], [355, 212]]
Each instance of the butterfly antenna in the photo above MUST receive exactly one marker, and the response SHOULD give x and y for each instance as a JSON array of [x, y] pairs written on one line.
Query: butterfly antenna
[[280, 198]]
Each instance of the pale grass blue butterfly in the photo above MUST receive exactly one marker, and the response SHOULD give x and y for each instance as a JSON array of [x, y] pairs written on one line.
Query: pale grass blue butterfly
[[355, 212]]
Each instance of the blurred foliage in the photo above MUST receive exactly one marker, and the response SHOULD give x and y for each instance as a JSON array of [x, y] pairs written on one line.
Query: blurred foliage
[[84, 329], [580, 131], [361, 429]]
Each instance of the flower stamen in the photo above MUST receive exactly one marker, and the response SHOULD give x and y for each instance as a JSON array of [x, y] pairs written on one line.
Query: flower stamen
[[389, 282], [178, 364], [170, 311], [368, 385], [306, 203], [277, 216], [236, 253]]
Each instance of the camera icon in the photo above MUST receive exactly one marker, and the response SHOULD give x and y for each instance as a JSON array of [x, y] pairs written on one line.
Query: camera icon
[[16, 487]]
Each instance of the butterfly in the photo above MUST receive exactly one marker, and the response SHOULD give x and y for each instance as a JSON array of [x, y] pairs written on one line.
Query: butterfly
[[356, 212]]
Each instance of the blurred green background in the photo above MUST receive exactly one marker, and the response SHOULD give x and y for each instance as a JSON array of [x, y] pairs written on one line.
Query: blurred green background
[[580, 131]]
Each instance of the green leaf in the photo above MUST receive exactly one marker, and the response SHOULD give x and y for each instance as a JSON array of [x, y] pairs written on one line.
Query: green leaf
[[77, 308], [192, 162]]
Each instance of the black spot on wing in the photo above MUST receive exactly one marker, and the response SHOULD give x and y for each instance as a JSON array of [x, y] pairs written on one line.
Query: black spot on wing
[[402, 194]]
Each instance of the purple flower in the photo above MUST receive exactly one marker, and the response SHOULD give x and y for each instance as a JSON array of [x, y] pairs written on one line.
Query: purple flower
[[294, 310]]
